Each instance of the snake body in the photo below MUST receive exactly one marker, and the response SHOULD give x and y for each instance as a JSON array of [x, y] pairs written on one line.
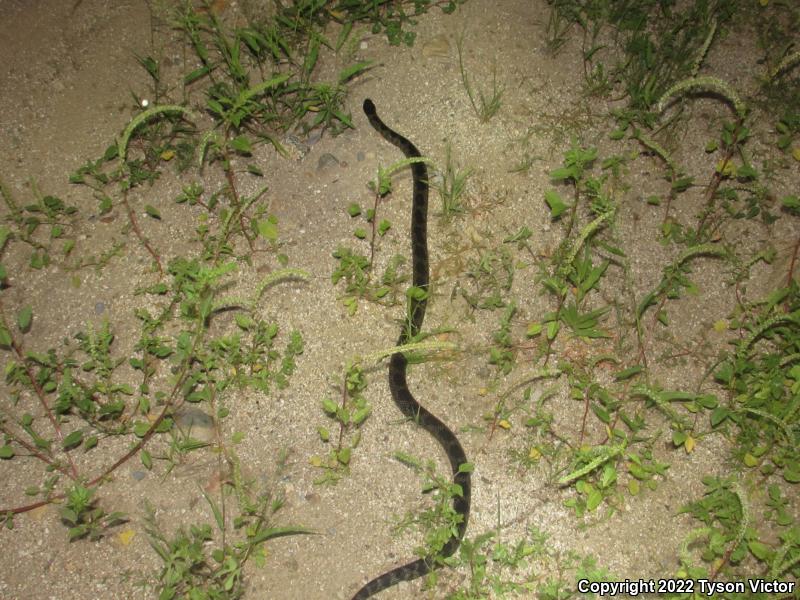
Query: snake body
[[398, 385]]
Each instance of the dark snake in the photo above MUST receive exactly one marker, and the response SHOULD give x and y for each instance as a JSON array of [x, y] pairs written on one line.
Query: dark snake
[[398, 385]]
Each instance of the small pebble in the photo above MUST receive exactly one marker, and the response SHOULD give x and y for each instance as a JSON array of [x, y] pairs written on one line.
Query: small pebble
[[327, 160]]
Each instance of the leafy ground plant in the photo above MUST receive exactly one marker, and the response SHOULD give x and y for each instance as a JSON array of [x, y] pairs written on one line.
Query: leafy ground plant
[[452, 187], [199, 563], [487, 104], [348, 414]]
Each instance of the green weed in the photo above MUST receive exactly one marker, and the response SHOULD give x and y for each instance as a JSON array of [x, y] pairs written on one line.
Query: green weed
[[502, 353], [349, 414], [84, 517], [48, 213], [355, 270], [490, 278], [199, 563], [452, 187], [487, 104], [352, 410], [509, 568], [440, 520], [391, 17]]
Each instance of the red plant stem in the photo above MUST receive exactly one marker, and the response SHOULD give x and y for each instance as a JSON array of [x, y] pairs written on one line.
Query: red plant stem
[[135, 225], [40, 394]]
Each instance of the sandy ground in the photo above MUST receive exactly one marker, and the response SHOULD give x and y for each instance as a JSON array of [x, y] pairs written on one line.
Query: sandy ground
[[69, 78]]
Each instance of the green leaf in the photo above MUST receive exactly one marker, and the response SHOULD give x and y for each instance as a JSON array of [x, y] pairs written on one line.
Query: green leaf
[[329, 406], [791, 474], [563, 173], [6, 452], [667, 396], [349, 72], [255, 170], [195, 75], [725, 373], [273, 532], [612, 249], [708, 401], [601, 413], [533, 330], [416, 293], [557, 206], [268, 229], [140, 428], [152, 211], [5, 233], [24, 319], [760, 550], [594, 498], [718, 415], [106, 204], [244, 322], [628, 373], [158, 288], [216, 107], [242, 145], [5, 337], [361, 414], [791, 203], [73, 439], [682, 184], [609, 476], [747, 173], [638, 472]]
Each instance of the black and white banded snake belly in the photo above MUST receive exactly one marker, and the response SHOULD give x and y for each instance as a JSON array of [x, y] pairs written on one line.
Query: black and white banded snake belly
[[398, 385]]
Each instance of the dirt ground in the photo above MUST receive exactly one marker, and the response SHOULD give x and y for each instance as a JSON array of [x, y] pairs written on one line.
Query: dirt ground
[[69, 81]]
